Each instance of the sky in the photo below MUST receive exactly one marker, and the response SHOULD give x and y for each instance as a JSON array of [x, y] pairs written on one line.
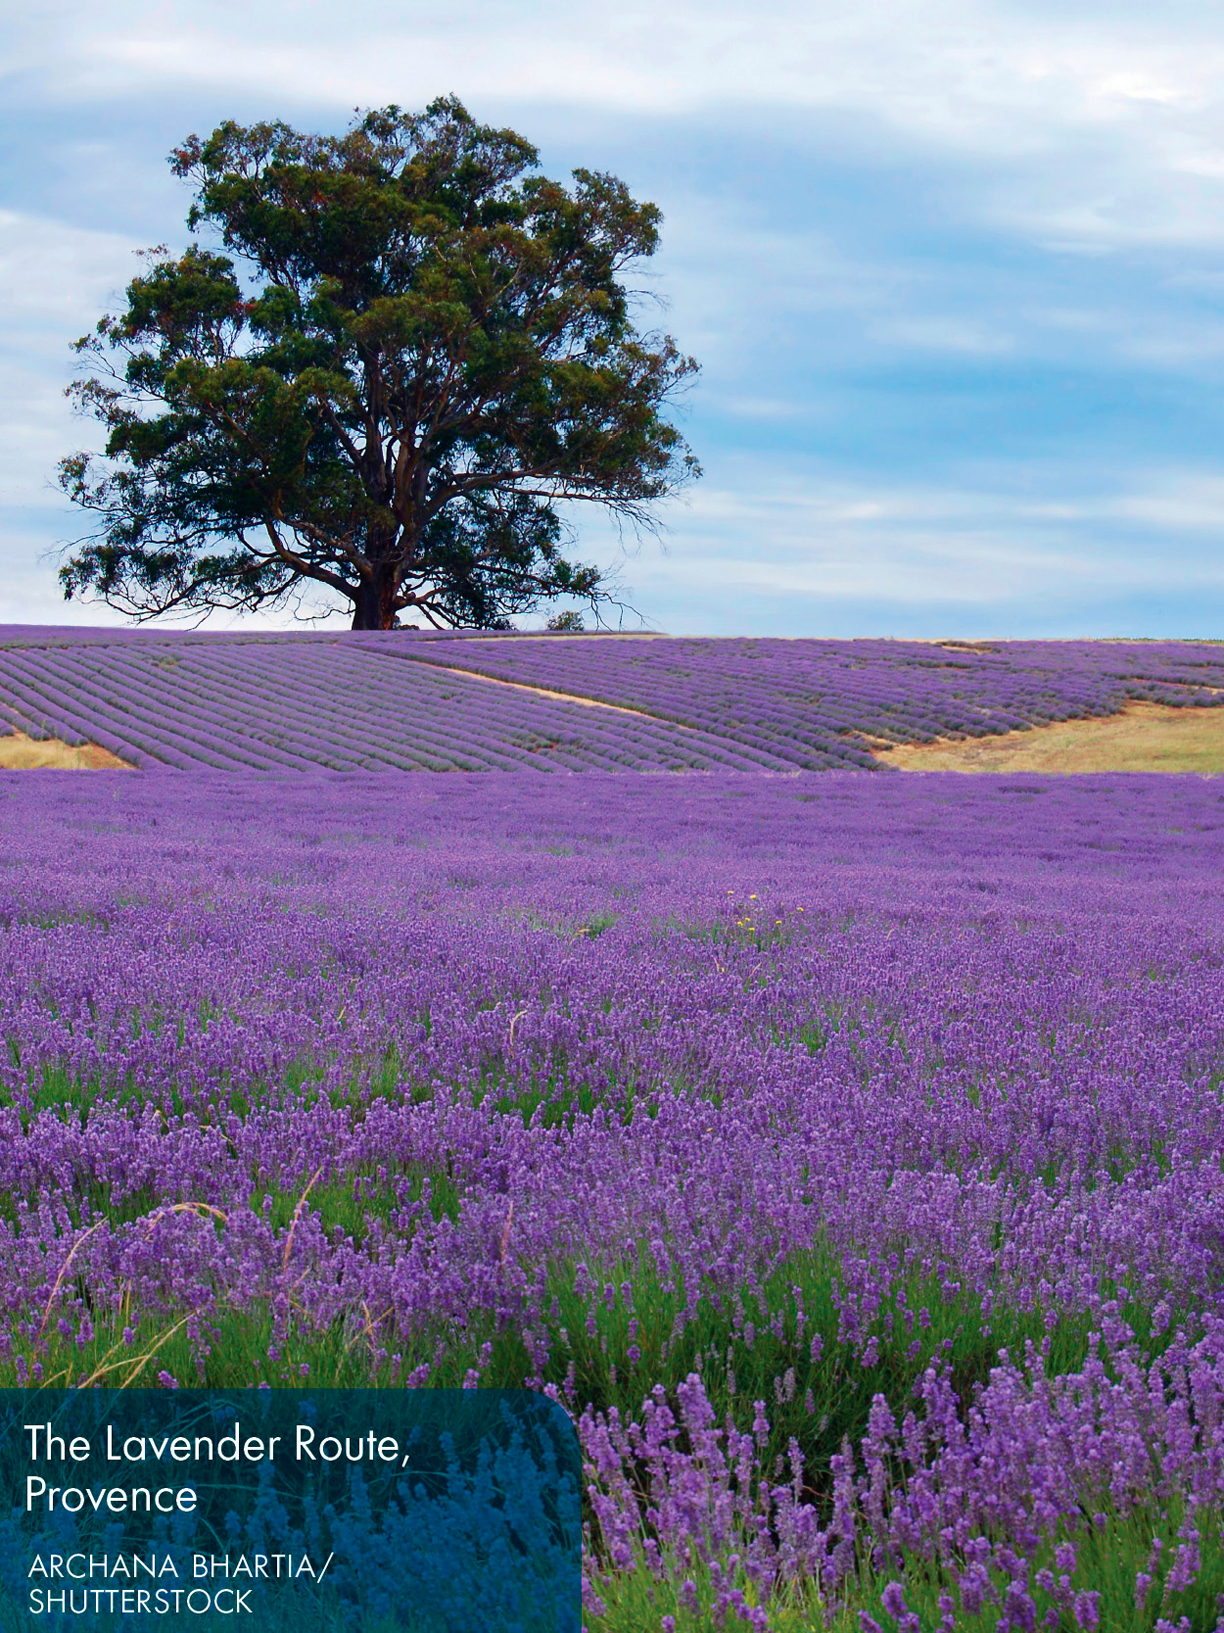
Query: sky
[[954, 271]]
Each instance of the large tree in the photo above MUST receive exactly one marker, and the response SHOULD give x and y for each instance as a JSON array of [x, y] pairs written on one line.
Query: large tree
[[398, 351]]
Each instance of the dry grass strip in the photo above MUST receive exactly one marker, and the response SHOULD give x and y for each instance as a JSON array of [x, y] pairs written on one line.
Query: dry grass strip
[[21, 753], [544, 691], [1143, 737]]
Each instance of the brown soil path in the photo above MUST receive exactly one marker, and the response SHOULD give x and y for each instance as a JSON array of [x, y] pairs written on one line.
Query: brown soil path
[[21, 753], [1142, 737], [563, 697]]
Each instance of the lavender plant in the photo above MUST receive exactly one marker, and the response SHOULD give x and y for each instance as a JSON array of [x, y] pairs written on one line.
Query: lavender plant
[[844, 1153], [822, 704], [399, 701]]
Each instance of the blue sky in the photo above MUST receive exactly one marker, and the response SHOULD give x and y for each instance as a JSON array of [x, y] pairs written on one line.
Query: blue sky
[[954, 271]]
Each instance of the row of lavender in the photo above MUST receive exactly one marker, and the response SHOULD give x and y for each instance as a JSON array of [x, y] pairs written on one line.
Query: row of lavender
[[376, 701], [752, 1121], [294, 704], [819, 704]]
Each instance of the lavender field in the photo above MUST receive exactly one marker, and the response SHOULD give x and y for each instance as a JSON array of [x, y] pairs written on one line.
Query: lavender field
[[823, 704], [427, 701], [844, 1151], [305, 702]]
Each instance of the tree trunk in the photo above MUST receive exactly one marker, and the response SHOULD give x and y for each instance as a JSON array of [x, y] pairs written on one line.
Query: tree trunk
[[374, 605]]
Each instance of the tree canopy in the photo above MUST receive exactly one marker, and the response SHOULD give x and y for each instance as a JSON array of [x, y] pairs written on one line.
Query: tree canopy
[[403, 352]]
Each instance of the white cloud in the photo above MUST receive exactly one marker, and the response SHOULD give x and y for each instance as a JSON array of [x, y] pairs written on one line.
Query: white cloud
[[55, 275], [56, 280], [1097, 128], [1189, 502], [969, 336], [948, 69], [945, 69], [821, 541]]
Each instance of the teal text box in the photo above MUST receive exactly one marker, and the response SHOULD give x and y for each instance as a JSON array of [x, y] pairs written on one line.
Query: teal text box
[[302, 1510]]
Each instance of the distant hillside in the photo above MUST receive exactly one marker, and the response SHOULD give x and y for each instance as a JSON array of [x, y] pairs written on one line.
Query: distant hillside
[[406, 701]]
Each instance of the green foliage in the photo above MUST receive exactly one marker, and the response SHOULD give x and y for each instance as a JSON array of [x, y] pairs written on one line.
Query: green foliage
[[1109, 1558], [407, 349]]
